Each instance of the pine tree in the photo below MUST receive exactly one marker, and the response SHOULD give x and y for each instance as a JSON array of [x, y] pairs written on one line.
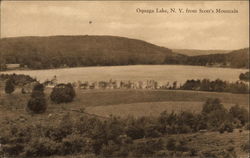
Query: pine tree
[[9, 86], [37, 102]]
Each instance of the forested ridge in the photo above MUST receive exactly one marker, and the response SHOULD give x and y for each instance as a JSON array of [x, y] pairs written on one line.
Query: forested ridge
[[235, 59], [73, 51]]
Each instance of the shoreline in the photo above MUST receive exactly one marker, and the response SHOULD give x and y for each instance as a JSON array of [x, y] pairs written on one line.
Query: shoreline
[[122, 66]]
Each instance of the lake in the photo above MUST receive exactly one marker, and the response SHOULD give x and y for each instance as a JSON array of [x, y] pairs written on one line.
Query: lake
[[160, 73]]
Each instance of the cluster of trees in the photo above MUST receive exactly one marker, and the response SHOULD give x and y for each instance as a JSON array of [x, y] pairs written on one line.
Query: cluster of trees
[[61, 93], [121, 137], [17, 79], [216, 86], [13, 80], [245, 76]]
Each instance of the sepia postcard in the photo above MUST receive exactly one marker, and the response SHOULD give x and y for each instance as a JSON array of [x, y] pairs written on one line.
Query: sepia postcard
[[124, 79]]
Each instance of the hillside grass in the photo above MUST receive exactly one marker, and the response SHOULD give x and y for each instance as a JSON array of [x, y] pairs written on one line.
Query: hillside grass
[[149, 108], [117, 102]]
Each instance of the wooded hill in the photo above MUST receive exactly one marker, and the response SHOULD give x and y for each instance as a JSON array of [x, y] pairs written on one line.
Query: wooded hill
[[73, 51], [58, 51], [195, 52], [235, 59]]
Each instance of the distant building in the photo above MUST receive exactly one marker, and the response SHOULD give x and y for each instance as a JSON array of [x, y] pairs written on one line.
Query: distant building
[[12, 66]]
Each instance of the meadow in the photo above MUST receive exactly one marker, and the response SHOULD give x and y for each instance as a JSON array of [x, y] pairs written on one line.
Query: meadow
[[119, 102]]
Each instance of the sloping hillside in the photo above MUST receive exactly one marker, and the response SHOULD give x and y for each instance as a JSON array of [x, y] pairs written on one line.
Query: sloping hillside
[[236, 59], [71, 51], [196, 52]]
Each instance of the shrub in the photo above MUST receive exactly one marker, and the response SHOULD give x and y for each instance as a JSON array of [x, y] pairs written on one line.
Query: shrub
[[109, 149], [147, 148], [152, 131], [13, 149], [41, 147], [171, 144], [135, 132], [122, 152], [37, 102], [114, 128], [62, 93], [38, 87], [181, 145], [9, 86], [212, 105], [226, 126], [72, 144], [246, 147], [247, 127], [240, 113]]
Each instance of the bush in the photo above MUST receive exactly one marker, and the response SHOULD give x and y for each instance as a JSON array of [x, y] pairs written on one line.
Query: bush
[[135, 132], [226, 126], [152, 131], [239, 113], [247, 127], [72, 144], [41, 147], [109, 149], [171, 144], [37, 102], [147, 148], [13, 149], [9, 86], [212, 105], [38, 87], [246, 147], [62, 93]]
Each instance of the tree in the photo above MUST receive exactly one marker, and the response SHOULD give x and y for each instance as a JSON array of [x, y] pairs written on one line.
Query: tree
[[9, 86], [239, 113], [63, 93], [37, 102], [245, 76], [212, 105]]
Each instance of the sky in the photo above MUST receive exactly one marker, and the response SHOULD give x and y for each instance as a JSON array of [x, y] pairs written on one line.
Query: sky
[[174, 30]]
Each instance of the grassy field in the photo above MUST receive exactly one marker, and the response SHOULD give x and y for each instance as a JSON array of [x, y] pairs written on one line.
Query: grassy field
[[147, 108], [120, 102]]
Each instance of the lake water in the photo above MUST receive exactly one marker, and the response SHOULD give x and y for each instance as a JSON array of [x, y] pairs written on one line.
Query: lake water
[[160, 73]]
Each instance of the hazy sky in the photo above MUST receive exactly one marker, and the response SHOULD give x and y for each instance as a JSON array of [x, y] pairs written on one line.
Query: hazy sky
[[176, 30]]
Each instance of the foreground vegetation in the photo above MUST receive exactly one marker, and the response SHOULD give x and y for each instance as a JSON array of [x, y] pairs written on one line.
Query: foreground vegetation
[[123, 137]]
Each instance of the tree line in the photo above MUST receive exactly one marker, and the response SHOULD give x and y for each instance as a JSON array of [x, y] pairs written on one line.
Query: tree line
[[216, 86]]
